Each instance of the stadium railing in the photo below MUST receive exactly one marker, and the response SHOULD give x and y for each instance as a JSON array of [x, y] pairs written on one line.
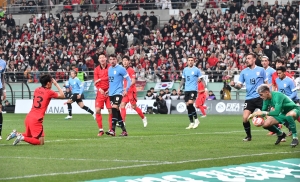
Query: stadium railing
[[17, 8]]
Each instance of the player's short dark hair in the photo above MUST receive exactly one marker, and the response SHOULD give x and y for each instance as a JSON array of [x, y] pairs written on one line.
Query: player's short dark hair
[[112, 56], [252, 54], [280, 61], [263, 88], [126, 57], [45, 79], [102, 53], [148, 91], [281, 68], [191, 57], [152, 88]]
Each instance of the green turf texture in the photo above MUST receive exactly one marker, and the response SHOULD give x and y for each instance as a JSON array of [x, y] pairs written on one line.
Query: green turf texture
[[73, 152]]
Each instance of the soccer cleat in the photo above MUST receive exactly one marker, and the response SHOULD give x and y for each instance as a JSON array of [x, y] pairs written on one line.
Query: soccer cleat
[[111, 133], [283, 140], [204, 116], [247, 139], [295, 142], [18, 139], [197, 122], [68, 117], [124, 133], [145, 122], [279, 138], [100, 133], [94, 116], [191, 125], [12, 135], [0, 137]]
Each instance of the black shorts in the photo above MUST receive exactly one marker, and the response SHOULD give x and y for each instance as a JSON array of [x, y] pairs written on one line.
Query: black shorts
[[116, 99], [190, 95], [73, 97], [253, 104]]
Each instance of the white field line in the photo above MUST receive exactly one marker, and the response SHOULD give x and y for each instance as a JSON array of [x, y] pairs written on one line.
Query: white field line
[[150, 136], [145, 165], [74, 159]]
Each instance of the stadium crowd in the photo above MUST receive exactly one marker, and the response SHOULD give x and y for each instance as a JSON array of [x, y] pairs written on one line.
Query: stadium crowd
[[218, 40]]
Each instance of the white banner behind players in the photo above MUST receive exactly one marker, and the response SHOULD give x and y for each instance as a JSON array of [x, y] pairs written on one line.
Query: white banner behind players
[[58, 107]]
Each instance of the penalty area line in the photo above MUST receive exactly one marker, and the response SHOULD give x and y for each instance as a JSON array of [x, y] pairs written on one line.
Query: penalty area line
[[144, 165]]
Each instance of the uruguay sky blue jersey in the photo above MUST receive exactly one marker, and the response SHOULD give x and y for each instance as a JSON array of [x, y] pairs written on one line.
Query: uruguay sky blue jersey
[[116, 76], [76, 85], [191, 76], [286, 86], [269, 73], [2, 70], [253, 78]]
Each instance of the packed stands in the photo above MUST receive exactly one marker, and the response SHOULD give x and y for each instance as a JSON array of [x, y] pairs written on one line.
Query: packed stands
[[218, 38]]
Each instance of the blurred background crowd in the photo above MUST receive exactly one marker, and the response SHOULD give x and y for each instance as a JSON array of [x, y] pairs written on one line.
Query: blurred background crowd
[[217, 37]]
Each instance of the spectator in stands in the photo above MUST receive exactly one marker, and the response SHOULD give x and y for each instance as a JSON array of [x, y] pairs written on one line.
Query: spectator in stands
[[211, 96], [31, 6], [161, 106], [41, 3], [149, 96], [10, 22]]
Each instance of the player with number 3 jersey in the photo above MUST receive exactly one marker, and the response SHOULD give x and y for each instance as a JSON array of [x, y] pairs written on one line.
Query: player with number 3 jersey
[[42, 96]]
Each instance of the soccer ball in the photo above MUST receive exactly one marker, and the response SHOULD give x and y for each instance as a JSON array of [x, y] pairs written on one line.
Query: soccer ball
[[258, 121]]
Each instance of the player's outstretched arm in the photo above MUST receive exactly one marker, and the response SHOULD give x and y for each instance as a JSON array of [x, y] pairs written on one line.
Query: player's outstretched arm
[[61, 94]]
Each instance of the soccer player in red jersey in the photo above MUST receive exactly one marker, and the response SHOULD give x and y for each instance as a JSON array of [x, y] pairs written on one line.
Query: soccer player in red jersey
[[132, 93], [275, 75], [102, 84], [42, 96], [201, 98]]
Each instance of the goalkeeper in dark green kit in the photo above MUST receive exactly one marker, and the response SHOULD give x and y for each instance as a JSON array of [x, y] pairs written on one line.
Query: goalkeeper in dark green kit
[[285, 110]]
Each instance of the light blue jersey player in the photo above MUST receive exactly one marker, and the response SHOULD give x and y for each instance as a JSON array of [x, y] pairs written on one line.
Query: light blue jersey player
[[77, 89], [116, 75], [190, 78], [269, 70], [286, 85], [2, 90], [253, 77]]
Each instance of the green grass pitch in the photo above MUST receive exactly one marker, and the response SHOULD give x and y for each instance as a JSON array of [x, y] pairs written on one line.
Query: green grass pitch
[[73, 152]]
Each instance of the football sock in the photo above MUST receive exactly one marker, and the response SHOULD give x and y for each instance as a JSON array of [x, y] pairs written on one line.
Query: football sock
[[274, 129], [88, 109], [139, 111], [247, 128], [202, 109], [1, 122], [123, 114], [190, 114], [110, 121], [292, 125], [115, 117], [99, 120], [193, 109], [33, 141], [286, 124], [121, 123], [70, 109]]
